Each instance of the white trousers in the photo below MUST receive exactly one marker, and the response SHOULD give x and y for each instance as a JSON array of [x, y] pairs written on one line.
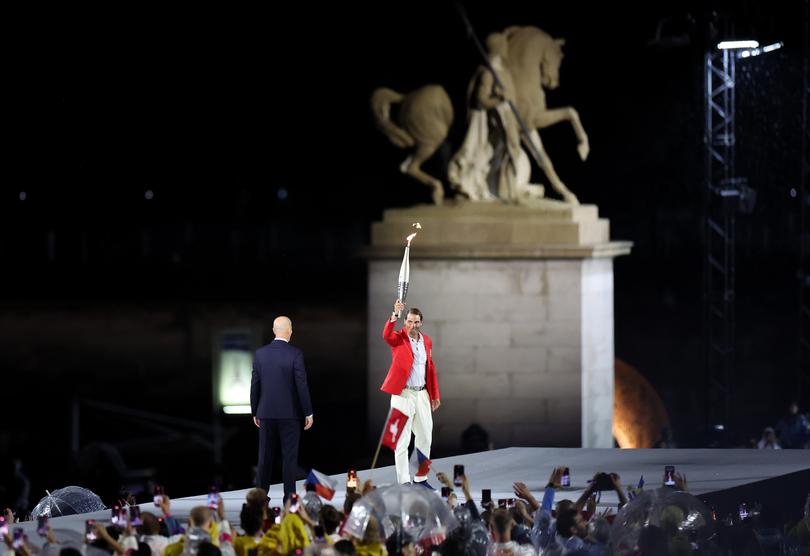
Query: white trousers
[[416, 405]]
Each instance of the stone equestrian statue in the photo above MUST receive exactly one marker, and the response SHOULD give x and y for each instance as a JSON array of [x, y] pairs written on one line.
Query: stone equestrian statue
[[489, 165]]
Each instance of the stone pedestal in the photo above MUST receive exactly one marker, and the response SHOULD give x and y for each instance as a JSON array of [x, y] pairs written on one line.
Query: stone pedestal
[[519, 304]]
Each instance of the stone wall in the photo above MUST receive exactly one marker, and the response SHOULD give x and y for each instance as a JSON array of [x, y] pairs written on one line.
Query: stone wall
[[522, 347]]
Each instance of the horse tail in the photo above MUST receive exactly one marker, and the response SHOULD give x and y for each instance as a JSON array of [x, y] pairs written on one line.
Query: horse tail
[[381, 101]]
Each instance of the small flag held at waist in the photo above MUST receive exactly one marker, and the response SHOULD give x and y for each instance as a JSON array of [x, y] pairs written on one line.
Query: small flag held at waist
[[324, 485], [393, 428]]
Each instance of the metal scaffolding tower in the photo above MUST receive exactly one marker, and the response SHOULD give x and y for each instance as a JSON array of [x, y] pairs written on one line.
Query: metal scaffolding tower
[[722, 189]]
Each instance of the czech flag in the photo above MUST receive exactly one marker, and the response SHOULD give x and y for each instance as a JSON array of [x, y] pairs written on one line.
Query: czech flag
[[324, 485], [424, 464]]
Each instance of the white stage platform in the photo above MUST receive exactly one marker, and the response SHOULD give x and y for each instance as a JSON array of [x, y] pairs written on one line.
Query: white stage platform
[[707, 471]]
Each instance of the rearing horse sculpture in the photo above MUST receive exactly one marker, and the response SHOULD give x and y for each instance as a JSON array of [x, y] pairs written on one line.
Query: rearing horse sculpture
[[533, 59]]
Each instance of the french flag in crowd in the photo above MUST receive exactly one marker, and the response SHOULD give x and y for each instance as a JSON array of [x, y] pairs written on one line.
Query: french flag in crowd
[[324, 485]]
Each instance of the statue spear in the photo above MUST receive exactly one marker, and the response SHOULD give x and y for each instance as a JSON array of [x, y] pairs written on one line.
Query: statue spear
[[482, 51]]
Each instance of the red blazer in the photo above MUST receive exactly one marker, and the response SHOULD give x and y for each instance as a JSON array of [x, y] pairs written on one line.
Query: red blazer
[[402, 362]]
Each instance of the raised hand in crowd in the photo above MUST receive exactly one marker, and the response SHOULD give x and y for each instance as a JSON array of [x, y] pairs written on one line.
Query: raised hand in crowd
[[593, 487], [101, 533], [590, 504], [221, 509], [165, 505], [522, 492], [465, 488], [617, 486], [302, 513], [555, 478], [680, 482], [444, 479], [521, 507]]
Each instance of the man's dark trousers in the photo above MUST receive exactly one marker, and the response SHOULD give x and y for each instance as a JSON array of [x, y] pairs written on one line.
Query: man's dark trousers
[[275, 434]]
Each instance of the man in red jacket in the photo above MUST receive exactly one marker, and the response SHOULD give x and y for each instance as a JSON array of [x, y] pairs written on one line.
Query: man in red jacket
[[414, 390]]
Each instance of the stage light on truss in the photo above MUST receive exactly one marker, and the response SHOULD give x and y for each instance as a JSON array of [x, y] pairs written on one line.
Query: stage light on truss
[[737, 45], [236, 409], [763, 50]]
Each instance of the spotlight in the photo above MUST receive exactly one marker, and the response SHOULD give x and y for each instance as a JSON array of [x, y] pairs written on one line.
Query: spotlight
[[763, 50], [735, 45]]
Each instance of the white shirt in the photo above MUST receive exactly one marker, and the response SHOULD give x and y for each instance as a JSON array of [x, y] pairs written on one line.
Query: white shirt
[[282, 339], [417, 376]]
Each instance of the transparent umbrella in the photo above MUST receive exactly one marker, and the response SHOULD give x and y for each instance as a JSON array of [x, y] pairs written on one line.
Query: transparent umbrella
[[674, 517], [70, 500], [411, 509], [471, 536], [312, 504]]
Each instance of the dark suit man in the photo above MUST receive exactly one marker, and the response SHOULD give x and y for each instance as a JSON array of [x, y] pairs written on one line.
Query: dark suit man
[[279, 400]]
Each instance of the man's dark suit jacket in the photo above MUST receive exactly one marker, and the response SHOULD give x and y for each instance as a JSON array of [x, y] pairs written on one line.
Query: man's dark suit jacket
[[278, 387]]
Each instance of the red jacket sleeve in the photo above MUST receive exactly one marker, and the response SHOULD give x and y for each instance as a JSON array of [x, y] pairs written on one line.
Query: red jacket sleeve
[[431, 380], [388, 334]]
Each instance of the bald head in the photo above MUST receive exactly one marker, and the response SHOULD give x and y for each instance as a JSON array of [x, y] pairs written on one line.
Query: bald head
[[282, 327]]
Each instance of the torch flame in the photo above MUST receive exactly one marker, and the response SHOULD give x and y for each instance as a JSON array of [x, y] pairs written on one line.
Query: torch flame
[[416, 225]]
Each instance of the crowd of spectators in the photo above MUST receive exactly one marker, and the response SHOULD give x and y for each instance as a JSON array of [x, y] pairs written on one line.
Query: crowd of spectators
[[529, 524]]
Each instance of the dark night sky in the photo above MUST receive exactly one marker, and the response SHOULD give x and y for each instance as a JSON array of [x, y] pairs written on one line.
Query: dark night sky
[[218, 110]]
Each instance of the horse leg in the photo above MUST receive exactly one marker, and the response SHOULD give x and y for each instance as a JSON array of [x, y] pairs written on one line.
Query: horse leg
[[412, 167], [548, 168], [550, 117]]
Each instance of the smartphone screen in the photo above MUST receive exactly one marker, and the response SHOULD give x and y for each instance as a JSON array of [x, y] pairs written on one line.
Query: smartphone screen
[[293, 503], [351, 479], [158, 495], [89, 534], [42, 525], [486, 495], [565, 480], [276, 514], [669, 475], [510, 502], [743, 510], [19, 537], [115, 515], [213, 498], [446, 492], [458, 474], [501, 502], [3, 526], [135, 516]]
